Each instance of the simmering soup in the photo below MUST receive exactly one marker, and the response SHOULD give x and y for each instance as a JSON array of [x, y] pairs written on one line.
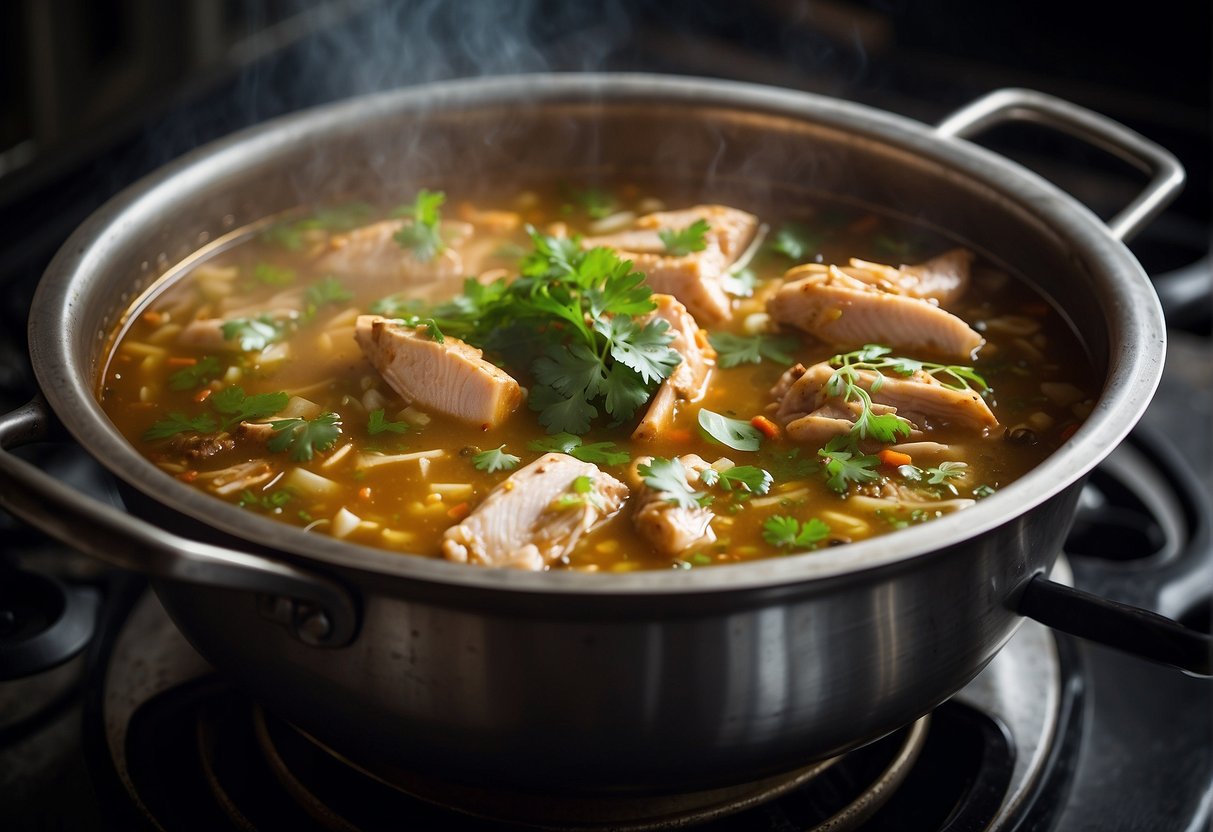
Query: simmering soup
[[604, 380]]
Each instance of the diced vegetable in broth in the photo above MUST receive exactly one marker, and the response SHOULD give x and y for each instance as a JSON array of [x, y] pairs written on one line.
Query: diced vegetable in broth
[[631, 381]]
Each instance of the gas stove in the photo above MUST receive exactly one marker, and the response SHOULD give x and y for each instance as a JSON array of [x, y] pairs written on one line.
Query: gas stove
[[110, 721]]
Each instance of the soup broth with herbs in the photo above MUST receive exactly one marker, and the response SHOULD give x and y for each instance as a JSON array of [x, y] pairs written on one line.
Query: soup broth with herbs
[[597, 379]]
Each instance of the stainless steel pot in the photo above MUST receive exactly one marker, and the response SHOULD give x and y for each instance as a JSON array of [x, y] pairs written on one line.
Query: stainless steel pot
[[585, 682]]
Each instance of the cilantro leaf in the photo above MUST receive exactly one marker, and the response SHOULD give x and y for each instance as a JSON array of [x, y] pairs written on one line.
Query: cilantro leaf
[[494, 460], [560, 413], [789, 465], [377, 423], [271, 275], [684, 241], [736, 434], [645, 350], [575, 371], [732, 350], [180, 423], [303, 437], [422, 235], [741, 477], [207, 369], [844, 464], [596, 202], [794, 241], [268, 501], [599, 453], [237, 407], [788, 532], [398, 306], [937, 475], [669, 477], [253, 334], [328, 290]]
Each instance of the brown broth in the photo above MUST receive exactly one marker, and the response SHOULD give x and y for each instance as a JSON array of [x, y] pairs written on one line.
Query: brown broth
[[407, 505]]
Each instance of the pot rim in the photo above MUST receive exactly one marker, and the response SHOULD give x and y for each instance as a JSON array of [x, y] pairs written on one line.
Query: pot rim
[[1134, 366]]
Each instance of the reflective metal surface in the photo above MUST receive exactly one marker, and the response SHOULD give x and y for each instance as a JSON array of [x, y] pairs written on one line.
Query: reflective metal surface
[[700, 678]]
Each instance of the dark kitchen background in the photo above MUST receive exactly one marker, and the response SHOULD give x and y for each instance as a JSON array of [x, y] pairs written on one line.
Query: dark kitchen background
[[96, 93]]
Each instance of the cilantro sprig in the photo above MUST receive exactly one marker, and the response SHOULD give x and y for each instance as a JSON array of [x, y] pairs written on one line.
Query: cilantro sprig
[[180, 423], [844, 465], [748, 478], [732, 350], [495, 459], [206, 370], [422, 236], [236, 407], [304, 437], [599, 453], [680, 242], [670, 478], [794, 241], [377, 423], [789, 533]]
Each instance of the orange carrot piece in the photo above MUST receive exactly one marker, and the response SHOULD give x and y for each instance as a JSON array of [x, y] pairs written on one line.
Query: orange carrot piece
[[188, 476], [203, 394], [181, 361], [765, 426], [894, 458], [677, 435], [364, 493], [153, 318], [459, 512]]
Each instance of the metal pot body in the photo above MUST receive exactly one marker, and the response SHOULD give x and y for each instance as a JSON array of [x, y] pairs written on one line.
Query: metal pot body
[[647, 682]]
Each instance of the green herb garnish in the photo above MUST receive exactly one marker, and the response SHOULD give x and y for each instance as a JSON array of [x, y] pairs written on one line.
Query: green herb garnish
[[422, 235], [735, 433], [235, 406], [494, 460], [206, 370], [747, 478], [268, 501], [732, 350], [844, 464], [180, 423], [377, 423], [794, 241], [596, 202], [582, 493], [670, 478], [253, 334], [789, 533], [328, 291], [271, 275], [304, 437], [599, 453], [684, 241]]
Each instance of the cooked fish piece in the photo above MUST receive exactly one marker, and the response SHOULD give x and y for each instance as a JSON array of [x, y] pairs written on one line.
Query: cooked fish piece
[[695, 279], [537, 515], [943, 279], [841, 310], [371, 253], [199, 446], [450, 377], [689, 380], [802, 402], [670, 528]]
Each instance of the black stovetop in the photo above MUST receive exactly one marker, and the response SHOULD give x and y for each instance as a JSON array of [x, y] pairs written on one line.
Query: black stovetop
[[1133, 745]]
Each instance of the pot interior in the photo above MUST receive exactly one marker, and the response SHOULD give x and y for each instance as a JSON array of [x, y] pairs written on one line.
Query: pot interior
[[487, 136]]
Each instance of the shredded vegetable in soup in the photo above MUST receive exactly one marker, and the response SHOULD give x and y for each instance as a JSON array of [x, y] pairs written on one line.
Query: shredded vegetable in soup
[[595, 379]]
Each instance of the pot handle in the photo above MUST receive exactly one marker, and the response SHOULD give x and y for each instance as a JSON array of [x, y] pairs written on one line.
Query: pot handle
[[1167, 175], [318, 611], [1124, 627]]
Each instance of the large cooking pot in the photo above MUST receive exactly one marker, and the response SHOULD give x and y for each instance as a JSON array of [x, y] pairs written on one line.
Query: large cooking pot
[[595, 682]]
